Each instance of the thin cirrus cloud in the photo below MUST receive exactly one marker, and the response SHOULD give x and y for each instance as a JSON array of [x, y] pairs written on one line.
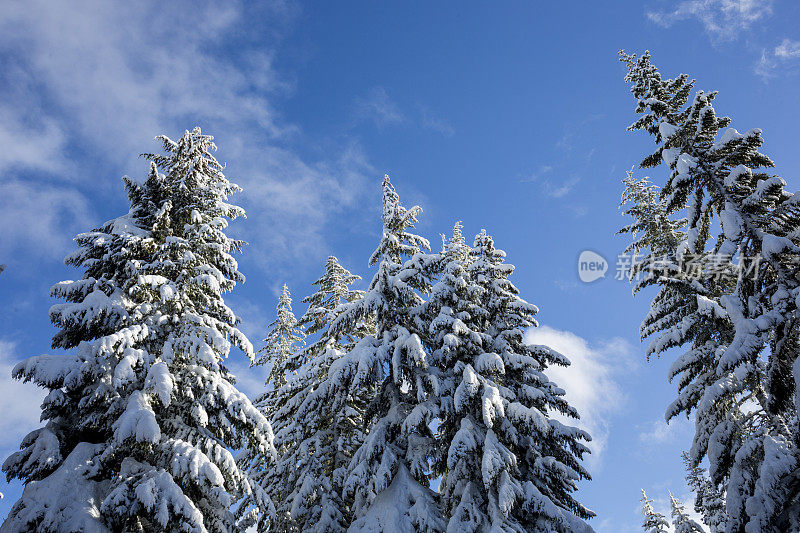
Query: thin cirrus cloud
[[785, 54], [551, 186], [436, 124], [659, 431], [108, 78], [380, 109], [723, 20], [376, 106], [788, 49]]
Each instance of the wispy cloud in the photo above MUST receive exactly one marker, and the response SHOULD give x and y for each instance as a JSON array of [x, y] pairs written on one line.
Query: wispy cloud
[[549, 185], [36, 145], [436, 124], [788, 49], [559, 176], [783, 55], [573, 131], [107, 79], [39, 220], [591, 381], [559, 189], [660, 432], [722, 19], [537, 175], [379, 108]]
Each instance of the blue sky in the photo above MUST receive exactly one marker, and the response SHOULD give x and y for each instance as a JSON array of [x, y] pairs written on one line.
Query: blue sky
[[509, 116]]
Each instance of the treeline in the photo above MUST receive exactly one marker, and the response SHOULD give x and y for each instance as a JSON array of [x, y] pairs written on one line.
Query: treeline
[[417, 406]]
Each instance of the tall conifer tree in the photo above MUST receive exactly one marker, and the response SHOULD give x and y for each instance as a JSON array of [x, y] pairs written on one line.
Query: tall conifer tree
[[740, 378], [143, 417]]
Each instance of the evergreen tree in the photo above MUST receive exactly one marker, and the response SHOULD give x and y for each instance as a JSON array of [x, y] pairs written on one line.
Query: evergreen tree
[[281, 353], [448, 313], [98, 306], [144, 416], [652, 230], [309, 475], [680, 520], [324, 305], [508, 465], [282, 343], [388, 476], [654, 522], [741, 381], [709, 501]]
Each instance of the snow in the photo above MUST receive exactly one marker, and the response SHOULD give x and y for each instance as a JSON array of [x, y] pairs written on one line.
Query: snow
[[732, 223], [685, 164], [138, 421], [489, 363], [736, 174], [772, 245], [492, 405], [405, 506], [670, 155], [66, 501], [496, 459], [667, 130], [729, 136], [161, 381]]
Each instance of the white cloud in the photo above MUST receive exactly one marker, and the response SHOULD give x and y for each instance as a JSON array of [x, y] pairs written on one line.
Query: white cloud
[[550, 186], [20, 403], [590, 381], [39, 220], [559, 189], [378, 107], [781, 56], [536, 176], [436, 124], [32, 146], [788, 49], [660, 432], [108, 78], [722, 19]]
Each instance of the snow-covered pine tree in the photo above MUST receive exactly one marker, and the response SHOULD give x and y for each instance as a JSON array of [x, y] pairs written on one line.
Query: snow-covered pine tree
[[508, 465], [709, 502], [652, 231], [281, 353], [285, 338], [746, 416], [654, 522], [388, 476], [690, 283], [309, 474], [449, 314], [142, 419], [333, 290], [680, 520], [98, 306]]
